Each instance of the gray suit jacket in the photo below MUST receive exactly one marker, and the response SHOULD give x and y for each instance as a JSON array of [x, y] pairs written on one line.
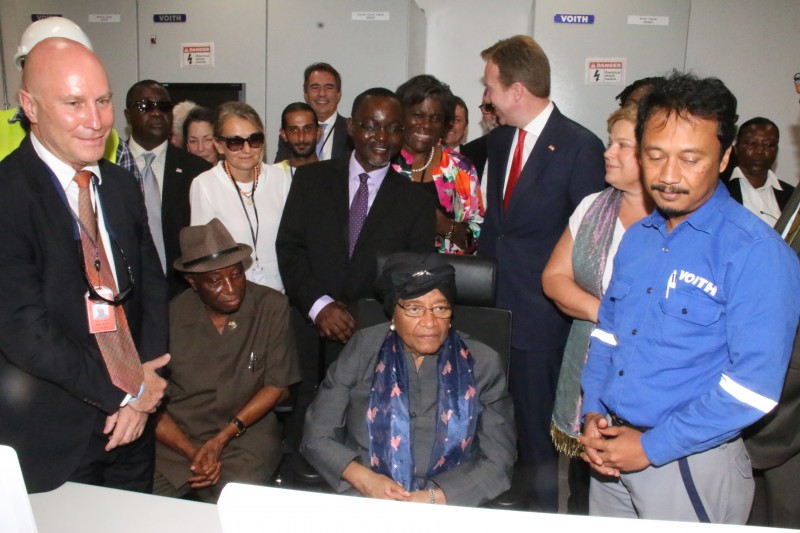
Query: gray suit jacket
[[336, 433]]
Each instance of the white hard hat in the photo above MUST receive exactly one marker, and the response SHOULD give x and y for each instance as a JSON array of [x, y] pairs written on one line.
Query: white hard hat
[[45, 28]]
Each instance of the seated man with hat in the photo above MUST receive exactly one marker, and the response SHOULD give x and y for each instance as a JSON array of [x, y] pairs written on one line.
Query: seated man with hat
[[233, 359]]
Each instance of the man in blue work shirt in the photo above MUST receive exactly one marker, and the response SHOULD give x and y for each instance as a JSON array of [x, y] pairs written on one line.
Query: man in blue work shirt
[[695, 330]]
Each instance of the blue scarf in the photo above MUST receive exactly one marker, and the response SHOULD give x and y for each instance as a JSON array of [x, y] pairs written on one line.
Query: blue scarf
[[389, 423]]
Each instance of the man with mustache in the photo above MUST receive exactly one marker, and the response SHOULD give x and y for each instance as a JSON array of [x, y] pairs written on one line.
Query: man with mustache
[[300, 132], [698, 321]]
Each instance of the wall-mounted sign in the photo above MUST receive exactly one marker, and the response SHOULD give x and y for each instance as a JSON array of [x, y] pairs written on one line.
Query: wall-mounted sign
[[197, 55], [564, 18], [40, 16], [605, 71], [104, 18], [643, 20], [369, 15], [167, 17]]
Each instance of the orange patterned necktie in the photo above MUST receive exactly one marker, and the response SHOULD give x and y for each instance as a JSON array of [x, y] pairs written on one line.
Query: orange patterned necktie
[[119, 352]]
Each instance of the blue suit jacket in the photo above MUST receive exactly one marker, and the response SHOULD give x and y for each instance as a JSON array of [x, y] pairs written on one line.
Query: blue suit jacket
[[566, 165]]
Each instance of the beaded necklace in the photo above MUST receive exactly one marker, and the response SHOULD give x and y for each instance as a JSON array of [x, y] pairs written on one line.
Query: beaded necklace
[[248, 196]]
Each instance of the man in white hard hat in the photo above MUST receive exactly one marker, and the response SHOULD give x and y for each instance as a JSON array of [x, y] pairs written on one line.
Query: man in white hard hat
[[13, 123]]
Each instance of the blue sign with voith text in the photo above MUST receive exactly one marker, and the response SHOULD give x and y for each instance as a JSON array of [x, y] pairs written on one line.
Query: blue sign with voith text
[[175, 17], [564, 18]]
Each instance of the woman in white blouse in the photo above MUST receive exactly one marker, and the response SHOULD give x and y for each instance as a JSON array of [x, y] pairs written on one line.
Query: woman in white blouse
[[242, 191]]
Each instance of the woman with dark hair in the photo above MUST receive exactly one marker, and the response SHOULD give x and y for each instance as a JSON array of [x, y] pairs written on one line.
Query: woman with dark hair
[[244, 193], [198, 134], [457, 134], [428, 109], [411, 410]]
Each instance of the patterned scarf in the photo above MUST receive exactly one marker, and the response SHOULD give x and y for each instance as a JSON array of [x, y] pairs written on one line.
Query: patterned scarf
[[389, 423], [589, 256]]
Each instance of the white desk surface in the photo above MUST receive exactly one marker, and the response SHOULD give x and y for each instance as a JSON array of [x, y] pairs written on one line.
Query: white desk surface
[[77, 508]]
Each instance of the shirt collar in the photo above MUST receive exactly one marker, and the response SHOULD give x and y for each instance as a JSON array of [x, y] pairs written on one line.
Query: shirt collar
[[137, 151], [356, 169], [772, 179], [331, 120], [64, 172], [536, 125]]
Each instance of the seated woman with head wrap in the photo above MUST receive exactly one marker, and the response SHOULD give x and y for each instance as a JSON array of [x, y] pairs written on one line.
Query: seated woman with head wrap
[[409, 411]]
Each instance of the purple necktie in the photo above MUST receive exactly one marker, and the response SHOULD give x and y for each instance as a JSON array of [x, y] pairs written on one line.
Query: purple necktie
[[358, 211]]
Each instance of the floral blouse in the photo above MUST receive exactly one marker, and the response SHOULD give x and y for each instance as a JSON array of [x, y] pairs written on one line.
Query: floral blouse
[[458, 191]]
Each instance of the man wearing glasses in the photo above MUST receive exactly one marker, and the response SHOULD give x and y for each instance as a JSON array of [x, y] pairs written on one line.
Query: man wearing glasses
[[338, 215], [83, 321], [165, 171]]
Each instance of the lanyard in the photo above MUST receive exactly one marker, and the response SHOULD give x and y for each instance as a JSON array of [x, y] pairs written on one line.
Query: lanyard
[[253, 233]]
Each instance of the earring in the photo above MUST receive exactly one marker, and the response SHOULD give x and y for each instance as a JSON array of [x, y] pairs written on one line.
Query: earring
[[391, 326]]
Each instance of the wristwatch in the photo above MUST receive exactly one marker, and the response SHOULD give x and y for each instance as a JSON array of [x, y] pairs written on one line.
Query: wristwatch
[[239, 426]]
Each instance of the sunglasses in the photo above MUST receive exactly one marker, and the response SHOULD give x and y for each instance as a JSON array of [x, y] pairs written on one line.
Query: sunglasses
[[145, 106], [486, 108], [234, 144]]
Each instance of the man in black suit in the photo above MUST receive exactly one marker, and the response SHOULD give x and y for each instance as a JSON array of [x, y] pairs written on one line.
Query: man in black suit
[[59, 408], [751, 181], [324, 272], [148, 109], [322, 90], [556, 163]]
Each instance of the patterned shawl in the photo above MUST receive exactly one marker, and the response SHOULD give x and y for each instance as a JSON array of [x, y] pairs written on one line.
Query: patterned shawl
[[589, 257], [389, 423]]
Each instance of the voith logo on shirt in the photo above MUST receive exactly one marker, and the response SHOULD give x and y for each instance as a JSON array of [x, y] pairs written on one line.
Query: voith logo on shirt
[[698, 281]]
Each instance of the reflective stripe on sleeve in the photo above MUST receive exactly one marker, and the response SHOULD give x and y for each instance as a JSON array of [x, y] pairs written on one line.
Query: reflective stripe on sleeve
[[604, 336], [746, 396]]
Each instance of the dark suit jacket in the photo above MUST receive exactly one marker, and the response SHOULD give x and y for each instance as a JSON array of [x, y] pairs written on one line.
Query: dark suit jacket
[[342, 143], [565, 165], [775, 439], [53, 382], [477, 152], [312, 242], [180, 169], [735, 188]]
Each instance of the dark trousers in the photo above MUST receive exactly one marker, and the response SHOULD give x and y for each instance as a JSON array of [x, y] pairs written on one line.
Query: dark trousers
[[130, 467], [533, 375], [315, 355]]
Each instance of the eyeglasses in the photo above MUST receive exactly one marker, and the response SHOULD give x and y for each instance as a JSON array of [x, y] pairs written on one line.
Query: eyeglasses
[[373, 129], [417, 311], [487, 108], [234, 144], [123, 295], [145, 106]]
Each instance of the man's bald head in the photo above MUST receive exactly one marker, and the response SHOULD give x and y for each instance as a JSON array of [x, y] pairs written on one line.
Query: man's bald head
[[66, 96]]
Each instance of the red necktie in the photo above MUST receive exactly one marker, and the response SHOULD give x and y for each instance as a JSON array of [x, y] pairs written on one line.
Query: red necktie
[[516, 169], [117, 347]]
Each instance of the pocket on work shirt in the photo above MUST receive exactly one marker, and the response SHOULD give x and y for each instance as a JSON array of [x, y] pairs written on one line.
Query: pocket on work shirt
[[691, 324]]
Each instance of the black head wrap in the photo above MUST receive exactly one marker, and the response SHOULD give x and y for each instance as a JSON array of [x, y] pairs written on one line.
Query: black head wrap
[[407, 275]]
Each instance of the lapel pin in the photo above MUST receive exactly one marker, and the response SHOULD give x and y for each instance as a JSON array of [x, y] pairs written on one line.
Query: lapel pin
[[232, 325], [179, 170], [551, 147]]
